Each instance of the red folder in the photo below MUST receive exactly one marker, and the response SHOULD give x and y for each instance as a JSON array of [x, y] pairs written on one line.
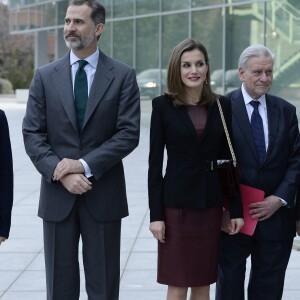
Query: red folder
[[249, 195]]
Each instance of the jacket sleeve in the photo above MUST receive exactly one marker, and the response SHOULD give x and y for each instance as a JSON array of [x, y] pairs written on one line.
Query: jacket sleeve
[[156, 157], [291, 179], [6, 177]]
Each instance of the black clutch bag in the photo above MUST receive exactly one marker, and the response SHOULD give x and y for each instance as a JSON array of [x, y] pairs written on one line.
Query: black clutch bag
[[228, 169]]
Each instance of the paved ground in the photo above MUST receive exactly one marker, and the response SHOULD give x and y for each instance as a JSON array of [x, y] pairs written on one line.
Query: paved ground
[[21, 257]]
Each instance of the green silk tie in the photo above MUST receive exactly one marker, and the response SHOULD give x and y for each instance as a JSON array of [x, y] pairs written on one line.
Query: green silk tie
[[81, 93]]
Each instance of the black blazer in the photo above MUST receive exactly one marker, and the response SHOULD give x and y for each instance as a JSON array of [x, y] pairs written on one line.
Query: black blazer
[[188, 181], [6, 177], [279, 175]]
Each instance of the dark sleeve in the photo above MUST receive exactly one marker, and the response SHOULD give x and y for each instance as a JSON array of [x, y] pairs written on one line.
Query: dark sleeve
[[6, 177], [289, 184], [298, 205], [156, 157], [235, 203]]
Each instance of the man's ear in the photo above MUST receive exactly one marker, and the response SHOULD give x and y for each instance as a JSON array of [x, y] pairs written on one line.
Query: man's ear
[[99, 29], [241, 74]]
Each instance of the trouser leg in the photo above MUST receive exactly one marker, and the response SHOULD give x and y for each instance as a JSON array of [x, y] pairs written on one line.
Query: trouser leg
[[61, 258]]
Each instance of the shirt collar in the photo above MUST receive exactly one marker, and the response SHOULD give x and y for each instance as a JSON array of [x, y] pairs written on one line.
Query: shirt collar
[[92, 59], [248, 99]]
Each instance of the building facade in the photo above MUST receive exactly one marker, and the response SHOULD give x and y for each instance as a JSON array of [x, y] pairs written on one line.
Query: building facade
[[142, 33]]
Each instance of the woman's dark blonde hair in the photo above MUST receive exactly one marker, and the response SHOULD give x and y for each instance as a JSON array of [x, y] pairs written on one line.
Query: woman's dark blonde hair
[[175, 87]]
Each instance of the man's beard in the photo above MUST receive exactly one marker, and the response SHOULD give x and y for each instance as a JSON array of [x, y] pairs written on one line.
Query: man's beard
[[81, 43]]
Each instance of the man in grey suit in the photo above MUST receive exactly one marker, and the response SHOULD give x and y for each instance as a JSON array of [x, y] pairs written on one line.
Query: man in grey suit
[[265, 137], [77, 145]]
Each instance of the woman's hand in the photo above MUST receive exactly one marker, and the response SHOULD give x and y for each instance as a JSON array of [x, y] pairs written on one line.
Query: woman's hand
[[231, 226], [158, 230], [236, 225]]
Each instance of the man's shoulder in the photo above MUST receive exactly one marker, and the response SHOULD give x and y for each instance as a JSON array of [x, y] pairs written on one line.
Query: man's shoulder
[[55, 64], [109, 61], [279, 101], [234, 94]]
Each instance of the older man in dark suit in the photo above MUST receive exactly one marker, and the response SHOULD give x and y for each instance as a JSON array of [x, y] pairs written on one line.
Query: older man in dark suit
[[6, 179], [265, 130], [82, 119]]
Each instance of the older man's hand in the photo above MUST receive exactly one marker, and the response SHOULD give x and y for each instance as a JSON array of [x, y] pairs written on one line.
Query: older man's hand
[[265, 209]]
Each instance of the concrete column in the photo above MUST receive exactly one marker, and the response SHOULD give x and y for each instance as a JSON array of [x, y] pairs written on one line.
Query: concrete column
[[41, 49]]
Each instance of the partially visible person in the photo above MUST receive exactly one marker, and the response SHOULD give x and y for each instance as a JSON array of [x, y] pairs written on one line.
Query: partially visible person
[[186, 202], [6, 179], [265, 131], [298, 209], [82, 119]]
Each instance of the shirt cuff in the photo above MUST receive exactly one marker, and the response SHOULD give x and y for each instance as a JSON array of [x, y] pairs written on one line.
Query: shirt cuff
[[87, 170], [283, 202]]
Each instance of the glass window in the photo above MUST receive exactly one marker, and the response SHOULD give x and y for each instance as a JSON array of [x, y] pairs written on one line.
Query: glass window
[[169, 5], [14, 4], [49, 14], [36, 17], [147, 49], [61, 9], [122, 8], [123, 41], [201, 3], [107, 5], [23, 20], [27, 2], [283, 39], [150, 78], [210, 36], [175, 28], [245, 23], [146, 6], [105, 41]]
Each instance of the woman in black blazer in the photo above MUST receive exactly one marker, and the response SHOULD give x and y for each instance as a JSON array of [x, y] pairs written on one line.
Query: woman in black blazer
[[6, 179], [186, 201]]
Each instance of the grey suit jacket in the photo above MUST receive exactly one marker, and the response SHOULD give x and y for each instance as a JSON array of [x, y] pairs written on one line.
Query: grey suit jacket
[[279, 174], [110, 132]]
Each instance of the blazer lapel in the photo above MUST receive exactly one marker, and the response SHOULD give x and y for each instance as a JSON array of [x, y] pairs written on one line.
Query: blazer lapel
[[241, 119], [102, 80], [212, 111], [184, 116], [63, 83]]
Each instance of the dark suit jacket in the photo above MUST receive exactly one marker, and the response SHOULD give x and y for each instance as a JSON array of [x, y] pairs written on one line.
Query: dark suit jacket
[[110, 132], [279, 174], [187, 182], [6, 177]]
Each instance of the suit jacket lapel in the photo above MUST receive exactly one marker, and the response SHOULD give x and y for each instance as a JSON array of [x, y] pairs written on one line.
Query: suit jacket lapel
[[212, 111], [241, 118], [184, 116], [273, 116], [63, 83], [102, 80]]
